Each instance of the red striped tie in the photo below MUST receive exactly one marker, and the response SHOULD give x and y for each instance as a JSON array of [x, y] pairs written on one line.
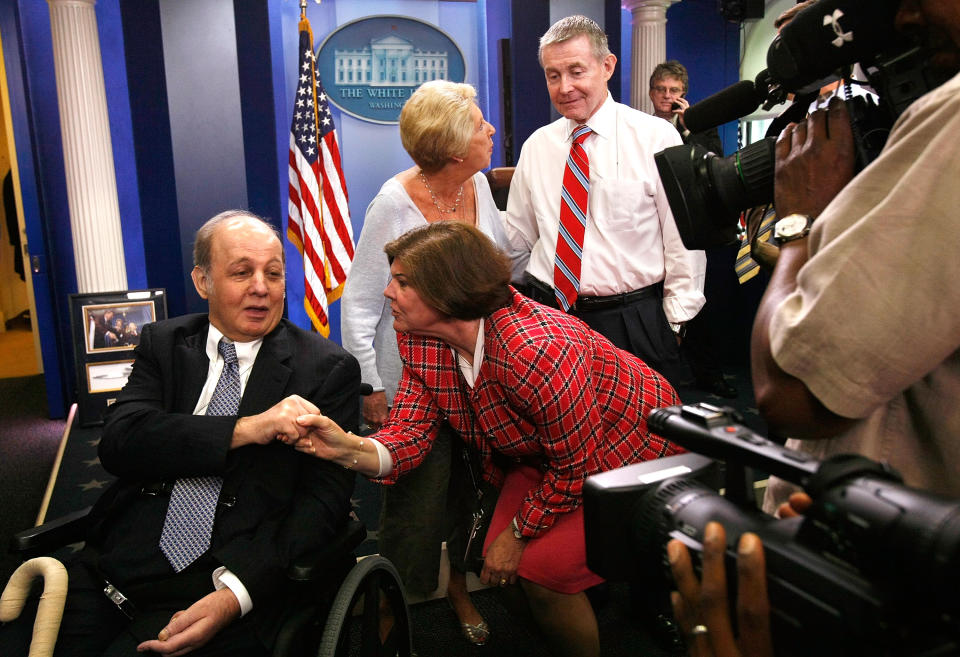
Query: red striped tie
[[573, 221]]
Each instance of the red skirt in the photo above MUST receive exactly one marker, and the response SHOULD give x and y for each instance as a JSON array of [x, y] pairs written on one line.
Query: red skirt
[[557, 559]]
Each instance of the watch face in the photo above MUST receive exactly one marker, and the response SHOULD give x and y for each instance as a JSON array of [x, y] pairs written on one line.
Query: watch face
[[791, 225]]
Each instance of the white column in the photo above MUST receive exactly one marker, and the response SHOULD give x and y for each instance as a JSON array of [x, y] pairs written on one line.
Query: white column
[[87, 149], [649, 47]]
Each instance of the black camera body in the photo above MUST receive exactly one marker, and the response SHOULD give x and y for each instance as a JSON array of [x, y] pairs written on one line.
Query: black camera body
[[708, 192], [871, 569]]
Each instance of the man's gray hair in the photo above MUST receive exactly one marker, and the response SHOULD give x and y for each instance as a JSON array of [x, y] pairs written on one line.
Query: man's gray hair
[[572, 27], [203, 243]]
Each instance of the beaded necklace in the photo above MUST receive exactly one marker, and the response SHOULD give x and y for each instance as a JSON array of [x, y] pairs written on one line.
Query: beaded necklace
[[436, 201]]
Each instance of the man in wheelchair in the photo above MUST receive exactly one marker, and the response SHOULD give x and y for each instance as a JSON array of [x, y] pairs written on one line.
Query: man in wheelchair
[[188, 550]]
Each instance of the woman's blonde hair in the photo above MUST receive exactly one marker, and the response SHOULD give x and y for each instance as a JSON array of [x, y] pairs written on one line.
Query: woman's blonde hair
[[436, 123]]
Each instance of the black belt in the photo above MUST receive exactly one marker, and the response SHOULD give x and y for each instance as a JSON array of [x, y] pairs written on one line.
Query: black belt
[[122, 602], [164, 488], [199, 582], [543, 293]]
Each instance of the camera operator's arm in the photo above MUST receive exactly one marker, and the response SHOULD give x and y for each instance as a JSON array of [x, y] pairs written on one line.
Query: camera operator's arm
[[701, 606], [815, 160]]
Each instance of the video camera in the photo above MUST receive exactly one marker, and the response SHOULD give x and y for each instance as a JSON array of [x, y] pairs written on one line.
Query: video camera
[[871, 569], [707, 192]]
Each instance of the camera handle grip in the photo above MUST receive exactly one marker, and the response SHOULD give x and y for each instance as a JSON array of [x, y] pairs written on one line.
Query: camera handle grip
[[717, 432]]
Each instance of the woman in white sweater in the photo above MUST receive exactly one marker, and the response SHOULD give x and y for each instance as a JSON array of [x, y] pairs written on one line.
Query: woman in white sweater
[[444, 132]]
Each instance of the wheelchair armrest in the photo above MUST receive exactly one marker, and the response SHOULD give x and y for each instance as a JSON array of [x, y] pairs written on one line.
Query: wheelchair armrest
[[51, 535], [315, 563]]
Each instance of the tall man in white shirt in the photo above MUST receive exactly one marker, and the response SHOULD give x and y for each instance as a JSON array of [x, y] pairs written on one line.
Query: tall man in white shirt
[[624, 271]]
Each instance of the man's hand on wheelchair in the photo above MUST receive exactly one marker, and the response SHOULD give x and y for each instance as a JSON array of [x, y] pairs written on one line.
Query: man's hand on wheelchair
[[195, 626]]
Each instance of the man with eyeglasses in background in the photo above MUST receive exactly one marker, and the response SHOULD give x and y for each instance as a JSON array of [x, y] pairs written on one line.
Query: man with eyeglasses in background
[[669, 84]]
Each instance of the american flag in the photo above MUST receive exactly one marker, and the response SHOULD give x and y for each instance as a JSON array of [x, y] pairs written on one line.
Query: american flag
[[318, 221]]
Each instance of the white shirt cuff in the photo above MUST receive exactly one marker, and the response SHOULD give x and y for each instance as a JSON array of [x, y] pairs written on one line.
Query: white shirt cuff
[[386, 461], [223, 578]]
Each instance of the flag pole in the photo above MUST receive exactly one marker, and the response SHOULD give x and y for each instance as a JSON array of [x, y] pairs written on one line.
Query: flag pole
[[305, 24], [316, 182]]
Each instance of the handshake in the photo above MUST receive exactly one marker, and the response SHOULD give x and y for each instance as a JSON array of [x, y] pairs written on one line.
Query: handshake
[[296, 422]]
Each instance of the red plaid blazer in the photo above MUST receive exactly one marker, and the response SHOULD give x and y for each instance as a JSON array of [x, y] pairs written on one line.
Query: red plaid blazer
[[549, 389]]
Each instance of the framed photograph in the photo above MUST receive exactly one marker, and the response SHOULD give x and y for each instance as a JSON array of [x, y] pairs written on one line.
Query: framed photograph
[[106, 329], [115, 327], [108, 377]]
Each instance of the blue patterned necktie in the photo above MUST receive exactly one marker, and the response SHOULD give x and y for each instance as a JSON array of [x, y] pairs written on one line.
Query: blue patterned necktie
[[193, 501]]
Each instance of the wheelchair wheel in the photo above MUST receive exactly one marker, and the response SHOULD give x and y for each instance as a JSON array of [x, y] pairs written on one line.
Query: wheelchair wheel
[[347, 634]]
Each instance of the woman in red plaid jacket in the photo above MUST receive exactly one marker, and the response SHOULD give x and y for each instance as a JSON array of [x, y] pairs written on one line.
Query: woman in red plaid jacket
[[544, 399]]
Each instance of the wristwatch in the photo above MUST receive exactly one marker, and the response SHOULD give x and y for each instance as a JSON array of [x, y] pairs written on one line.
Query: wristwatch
[[516, 530], [792, 227]]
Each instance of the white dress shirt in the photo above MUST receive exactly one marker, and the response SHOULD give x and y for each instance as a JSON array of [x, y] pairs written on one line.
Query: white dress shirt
[[246, 355], [631, 238]]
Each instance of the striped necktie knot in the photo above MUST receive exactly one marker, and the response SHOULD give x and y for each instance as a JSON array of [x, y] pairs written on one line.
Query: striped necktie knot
[[580, 133]]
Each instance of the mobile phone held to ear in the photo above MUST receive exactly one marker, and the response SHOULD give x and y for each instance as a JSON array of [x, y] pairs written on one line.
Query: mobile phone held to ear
[[675, 106]]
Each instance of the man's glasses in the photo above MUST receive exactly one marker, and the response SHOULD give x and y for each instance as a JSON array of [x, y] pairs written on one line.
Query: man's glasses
[[673, 90]]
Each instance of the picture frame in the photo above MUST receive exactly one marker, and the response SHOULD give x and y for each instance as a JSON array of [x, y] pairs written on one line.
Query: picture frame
[[115, 327], [106, 329], [109, 376]]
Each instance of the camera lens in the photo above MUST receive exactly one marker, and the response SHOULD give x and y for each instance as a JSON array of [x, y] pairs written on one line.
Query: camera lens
[[707, 193]]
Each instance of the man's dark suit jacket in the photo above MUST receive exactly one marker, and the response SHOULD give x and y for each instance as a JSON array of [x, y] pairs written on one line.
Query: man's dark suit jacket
[[276, 503]]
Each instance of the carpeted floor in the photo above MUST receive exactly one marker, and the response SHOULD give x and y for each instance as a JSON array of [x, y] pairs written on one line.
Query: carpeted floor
[[28, 447], [623, 633]]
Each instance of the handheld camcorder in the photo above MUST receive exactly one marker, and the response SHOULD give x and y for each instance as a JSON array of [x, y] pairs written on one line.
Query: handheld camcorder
[[707, 192], [871, 569]]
